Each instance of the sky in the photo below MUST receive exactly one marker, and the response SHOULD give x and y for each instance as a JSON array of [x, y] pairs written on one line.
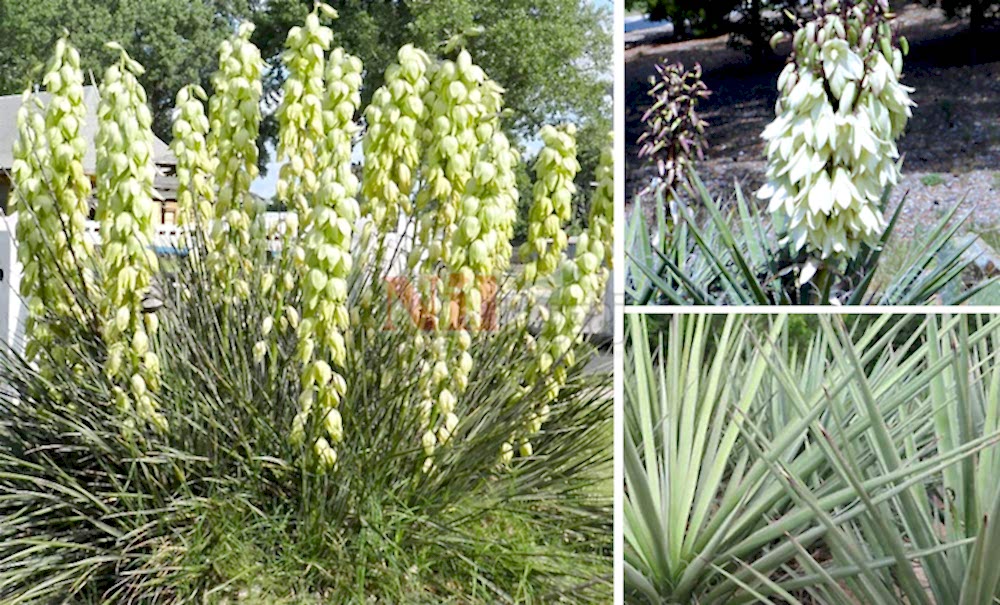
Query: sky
[[265, 185]]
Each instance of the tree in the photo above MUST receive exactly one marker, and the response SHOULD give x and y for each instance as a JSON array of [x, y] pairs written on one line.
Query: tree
[[690, 17], [750, 23], [980, 12], [176, 40]]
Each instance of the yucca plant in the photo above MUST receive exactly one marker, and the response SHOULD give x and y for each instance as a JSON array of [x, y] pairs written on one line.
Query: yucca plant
[[318, 412], [707, 252], [832, 162], [770, 459]]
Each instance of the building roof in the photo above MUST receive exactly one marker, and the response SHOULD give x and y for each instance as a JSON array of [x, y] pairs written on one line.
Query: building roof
[[10, 104]]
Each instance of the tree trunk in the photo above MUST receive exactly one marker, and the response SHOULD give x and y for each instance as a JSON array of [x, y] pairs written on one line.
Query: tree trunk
[[977, 15]]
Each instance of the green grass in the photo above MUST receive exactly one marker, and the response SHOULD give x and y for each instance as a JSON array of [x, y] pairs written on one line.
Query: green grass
[[931, 180], [263, 561]]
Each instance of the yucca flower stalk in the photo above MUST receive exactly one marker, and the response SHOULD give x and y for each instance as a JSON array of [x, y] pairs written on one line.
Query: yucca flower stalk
[[579, 286], [674, 135], [552, 207], [328, 261], [306, 124], [234, 116], [600, 220], [393, 140], [831, 150], [462, 107], [125, 174], [51, 196], [300, 115], [480, 246], [196, 166]]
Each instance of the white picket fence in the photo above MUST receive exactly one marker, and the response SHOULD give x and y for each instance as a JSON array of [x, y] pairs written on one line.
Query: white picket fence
[[168, 239]]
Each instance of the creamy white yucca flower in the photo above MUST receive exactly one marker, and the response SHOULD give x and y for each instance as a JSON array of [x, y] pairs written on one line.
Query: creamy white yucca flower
[[328, 228], [393, 140], [300, 115], [600, 221], [234, 118], [481, 241], [195, 165], [832, 147], [579, 285], [50, 196], [552, 207], [462, 114], [125, 173]]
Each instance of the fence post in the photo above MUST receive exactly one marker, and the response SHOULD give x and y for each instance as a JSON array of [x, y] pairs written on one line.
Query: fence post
[[12, 311]]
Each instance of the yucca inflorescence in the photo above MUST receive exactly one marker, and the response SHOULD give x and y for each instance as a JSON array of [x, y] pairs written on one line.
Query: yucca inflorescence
[[52, 198], [300, 115], [328, 262], [600, 221], [552, 207], [831, 150], [234, 117], [195, 165], [393, 140], [674, 132], [578, 285], [125, 174], [463, 105]]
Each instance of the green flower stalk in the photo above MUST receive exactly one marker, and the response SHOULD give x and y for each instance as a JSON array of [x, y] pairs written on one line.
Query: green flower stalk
[[51, 196], [33, 202], [328, 231], [300, 116], [196, 166], [234, 115], [125, 173], [555, 169], [831, 150], [393, 140]]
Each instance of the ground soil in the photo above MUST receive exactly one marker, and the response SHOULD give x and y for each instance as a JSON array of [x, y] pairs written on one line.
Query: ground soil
[[951, 146]]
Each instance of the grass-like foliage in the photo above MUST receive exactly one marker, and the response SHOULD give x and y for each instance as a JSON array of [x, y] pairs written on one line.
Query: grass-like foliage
[[705, 252], [218, 506], [826, 460]]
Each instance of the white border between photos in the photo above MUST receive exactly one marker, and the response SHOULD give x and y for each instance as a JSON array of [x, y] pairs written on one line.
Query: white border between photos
[[618, 556]]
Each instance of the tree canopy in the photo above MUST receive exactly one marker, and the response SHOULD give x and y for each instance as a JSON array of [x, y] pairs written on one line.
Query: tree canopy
[[175, 40]]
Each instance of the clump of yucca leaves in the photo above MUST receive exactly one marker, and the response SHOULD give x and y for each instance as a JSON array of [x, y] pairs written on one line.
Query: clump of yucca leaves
[[675, 134], [709, 253], [218, 496], [827, 460]]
